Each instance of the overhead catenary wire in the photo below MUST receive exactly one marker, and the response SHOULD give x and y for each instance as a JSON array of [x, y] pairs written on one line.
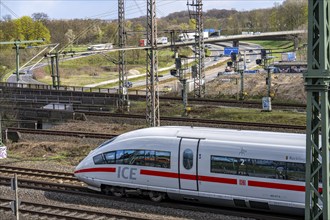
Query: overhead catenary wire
[[11, 11]]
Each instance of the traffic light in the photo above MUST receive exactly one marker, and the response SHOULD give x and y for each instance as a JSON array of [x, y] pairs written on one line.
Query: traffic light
[[263, 54], [233, 56], [229, 64], [173, 72], [258, 61], [194, 71], [178, 63]]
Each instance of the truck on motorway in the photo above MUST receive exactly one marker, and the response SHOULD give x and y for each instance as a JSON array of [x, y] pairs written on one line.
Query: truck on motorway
[[191, 36], [100, 47], [288, 56], [160, 40]]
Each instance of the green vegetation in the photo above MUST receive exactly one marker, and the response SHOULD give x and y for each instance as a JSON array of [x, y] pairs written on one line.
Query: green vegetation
[[103, 67], [227, 114], [276, 47]]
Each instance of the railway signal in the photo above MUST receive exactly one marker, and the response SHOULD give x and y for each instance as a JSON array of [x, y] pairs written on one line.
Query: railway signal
[[179, 73]]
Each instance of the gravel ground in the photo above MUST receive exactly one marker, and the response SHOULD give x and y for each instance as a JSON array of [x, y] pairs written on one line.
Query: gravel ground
[[107, 205]]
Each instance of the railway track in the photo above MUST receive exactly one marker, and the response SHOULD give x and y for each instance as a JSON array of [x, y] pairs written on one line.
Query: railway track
[[36, 174], [46, 185], [198, 120], [37, 210], [109, 136], [62, 133], [83, 191], [45, 94]]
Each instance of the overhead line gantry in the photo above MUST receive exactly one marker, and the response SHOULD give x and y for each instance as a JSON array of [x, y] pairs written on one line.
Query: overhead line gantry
[[198, 71], [17, 47], [317, 81], [122, 87], [152, 93]]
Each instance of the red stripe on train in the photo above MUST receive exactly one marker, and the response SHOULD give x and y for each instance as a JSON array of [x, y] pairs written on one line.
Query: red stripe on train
[[168, 174], [99, 169], [218, 179], [276, 186], [188, 176], [159, 173], [203, 178]]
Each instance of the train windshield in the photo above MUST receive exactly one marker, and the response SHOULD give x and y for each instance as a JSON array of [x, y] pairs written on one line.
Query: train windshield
[[106, 143]]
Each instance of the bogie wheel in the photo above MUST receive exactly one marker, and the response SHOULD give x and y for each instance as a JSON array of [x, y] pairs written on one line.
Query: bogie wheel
[[156, 196], [106, 190], [117, 191]]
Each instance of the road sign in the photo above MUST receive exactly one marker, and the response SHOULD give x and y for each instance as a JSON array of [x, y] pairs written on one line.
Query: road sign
[[229, 50]]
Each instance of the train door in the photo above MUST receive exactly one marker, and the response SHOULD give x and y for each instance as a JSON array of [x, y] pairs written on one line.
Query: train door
[[188, 175]]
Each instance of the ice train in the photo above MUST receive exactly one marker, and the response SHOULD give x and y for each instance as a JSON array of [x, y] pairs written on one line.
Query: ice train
[[236, 168]]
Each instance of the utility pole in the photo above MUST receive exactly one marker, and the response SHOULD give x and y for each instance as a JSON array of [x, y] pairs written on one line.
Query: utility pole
[[54, 69], [199, 78], [17, 47], [266, 101], [317, 81], [123, 85], [152, 96]]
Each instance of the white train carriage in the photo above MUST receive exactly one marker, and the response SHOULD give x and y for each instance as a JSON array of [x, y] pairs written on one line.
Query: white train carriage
[[246, 169]]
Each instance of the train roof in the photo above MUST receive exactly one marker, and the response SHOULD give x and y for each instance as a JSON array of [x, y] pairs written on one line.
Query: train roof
[[217, 134]]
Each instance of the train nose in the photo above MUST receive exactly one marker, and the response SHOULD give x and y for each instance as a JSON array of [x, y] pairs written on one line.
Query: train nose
[[79, 170]]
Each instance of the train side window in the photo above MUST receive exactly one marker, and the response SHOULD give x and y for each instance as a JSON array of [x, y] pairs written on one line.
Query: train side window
[[110, 157], [263, 168], [150, 158], [120, 157], [99, 159], [296, 171], [137, 158], [163, 159], [127, 155], [188, 159], [226, 165], [268, 169]]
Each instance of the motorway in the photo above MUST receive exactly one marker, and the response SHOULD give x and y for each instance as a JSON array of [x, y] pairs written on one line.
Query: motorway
[[26, 78], [216, 50]]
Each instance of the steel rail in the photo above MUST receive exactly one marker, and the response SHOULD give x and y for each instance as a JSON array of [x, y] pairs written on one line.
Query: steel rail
[[60, 212], [36, 173], [62, 133], [74, 93], [198, 120], [64, 188]]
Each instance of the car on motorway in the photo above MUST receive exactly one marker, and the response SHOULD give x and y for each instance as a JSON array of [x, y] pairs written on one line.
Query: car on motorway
[[216, 58], [128, 84], [247, 60]]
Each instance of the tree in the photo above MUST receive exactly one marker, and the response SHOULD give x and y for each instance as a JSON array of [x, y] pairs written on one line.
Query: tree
[[27, 29], [70, 37], [40, 16]]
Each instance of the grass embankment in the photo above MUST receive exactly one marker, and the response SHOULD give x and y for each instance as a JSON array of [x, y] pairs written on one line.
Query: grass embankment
[[102, 67], [276, 48], [226, 113]]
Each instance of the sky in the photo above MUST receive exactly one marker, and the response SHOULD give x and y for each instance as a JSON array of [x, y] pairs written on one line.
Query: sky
[[108, 9]]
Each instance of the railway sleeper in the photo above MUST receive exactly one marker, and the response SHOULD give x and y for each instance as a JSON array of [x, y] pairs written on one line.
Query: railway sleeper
[[118, 191]]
